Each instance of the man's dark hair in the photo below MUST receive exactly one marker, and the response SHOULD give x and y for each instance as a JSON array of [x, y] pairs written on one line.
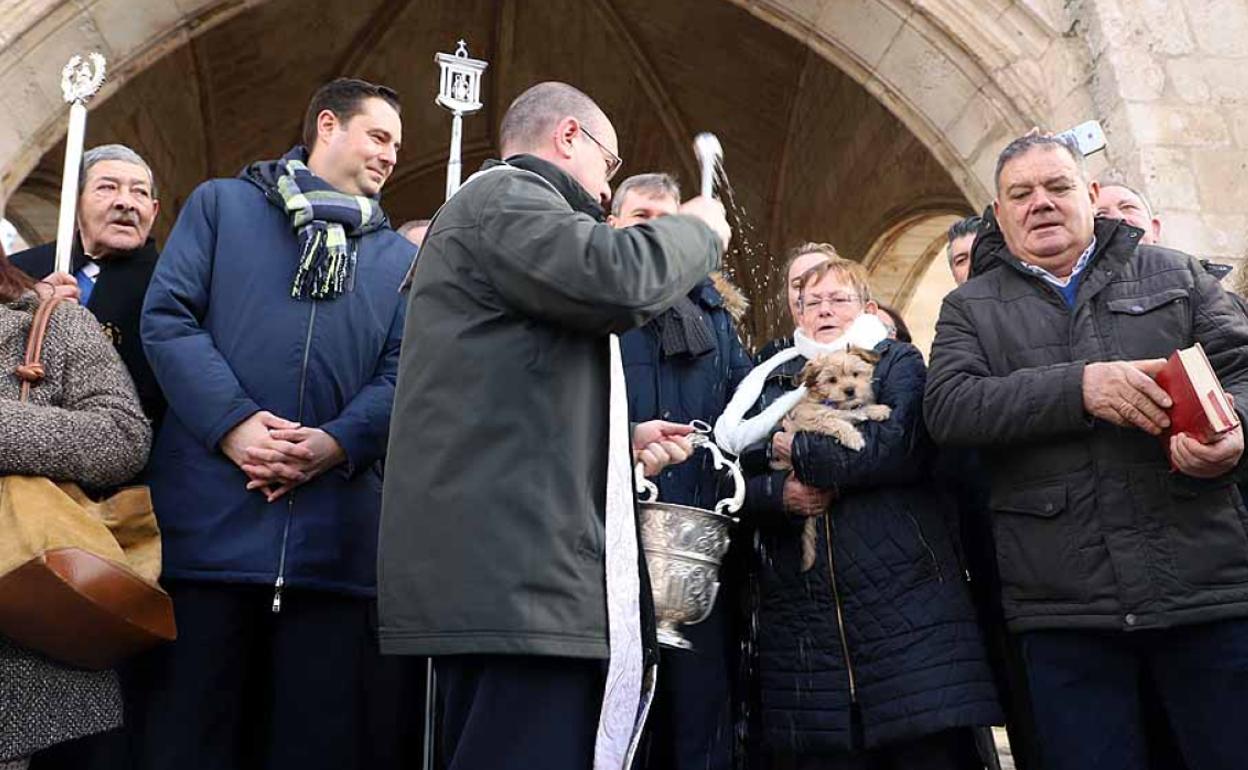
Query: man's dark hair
[[345, 98], [535, 111], [903, 331], [965, 226], [1025, 144], [650, 185]]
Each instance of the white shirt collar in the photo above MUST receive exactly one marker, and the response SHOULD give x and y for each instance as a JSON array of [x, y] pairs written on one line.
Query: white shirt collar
[[1080, 264]]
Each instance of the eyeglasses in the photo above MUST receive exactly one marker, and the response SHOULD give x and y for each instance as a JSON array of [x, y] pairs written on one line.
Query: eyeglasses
[[834, 301], [613, 161]]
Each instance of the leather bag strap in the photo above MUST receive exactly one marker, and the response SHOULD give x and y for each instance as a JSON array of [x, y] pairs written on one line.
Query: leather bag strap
[[31, 370]]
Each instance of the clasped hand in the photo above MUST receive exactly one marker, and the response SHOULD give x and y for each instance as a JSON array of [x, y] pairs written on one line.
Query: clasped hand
[[279, 455]]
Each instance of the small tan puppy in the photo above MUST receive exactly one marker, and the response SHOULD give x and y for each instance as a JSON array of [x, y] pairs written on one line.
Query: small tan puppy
[[839, 397]]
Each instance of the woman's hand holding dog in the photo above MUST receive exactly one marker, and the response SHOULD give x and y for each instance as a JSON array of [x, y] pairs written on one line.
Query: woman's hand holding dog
[[782, 450], [804, 500]]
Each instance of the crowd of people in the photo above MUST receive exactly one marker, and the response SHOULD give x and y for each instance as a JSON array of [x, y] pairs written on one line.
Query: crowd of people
[[368, 447]]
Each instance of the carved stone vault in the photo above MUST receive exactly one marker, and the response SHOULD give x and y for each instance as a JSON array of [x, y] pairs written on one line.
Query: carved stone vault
[[870, 124]]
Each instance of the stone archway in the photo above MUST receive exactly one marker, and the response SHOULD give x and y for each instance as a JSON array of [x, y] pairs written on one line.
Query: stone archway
[[898, 261], [908, 268], [38, 37], [962, 75], [864, 108]]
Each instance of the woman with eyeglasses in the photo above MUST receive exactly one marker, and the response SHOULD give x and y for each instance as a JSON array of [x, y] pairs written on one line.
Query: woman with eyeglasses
[[869, 655]]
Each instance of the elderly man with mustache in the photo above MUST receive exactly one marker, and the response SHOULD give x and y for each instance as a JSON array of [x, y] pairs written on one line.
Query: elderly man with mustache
[[112, 258]]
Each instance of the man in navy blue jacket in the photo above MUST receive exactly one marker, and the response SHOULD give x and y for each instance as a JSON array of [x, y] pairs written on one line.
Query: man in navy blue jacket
[[273, 324], [684, 366]]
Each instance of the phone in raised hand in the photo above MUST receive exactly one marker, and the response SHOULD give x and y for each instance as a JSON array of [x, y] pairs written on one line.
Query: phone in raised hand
[[1089, 137]]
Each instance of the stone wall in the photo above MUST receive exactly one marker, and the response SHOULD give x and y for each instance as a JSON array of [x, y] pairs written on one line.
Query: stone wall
[[1167, 78]]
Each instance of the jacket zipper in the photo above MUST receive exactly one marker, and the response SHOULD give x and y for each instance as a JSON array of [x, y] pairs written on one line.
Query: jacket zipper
[[290, 500], [840, 617]]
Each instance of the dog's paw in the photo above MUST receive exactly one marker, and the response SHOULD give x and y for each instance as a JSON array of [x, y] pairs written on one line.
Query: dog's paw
[[853, 440], [878, 412]]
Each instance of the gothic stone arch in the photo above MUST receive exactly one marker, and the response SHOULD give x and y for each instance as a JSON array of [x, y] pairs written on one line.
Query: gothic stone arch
[[963, 75]]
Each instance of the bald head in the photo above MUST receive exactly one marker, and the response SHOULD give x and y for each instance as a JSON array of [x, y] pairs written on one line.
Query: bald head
[[535, 113], [560, 124], [1115, 200]]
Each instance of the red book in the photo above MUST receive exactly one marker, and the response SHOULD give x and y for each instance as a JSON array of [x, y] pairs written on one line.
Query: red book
[[1201, 409]]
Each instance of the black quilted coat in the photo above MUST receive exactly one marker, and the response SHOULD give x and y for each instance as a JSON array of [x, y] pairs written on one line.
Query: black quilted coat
[[883, 618]]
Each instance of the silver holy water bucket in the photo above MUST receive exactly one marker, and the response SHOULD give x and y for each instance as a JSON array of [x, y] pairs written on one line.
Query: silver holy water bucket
[[684, 547]]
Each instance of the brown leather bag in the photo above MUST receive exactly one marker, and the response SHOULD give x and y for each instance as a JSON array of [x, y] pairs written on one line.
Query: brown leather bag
[[78, 577]]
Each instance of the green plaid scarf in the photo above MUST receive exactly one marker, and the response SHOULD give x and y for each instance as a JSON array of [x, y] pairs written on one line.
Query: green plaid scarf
[[327, 223]]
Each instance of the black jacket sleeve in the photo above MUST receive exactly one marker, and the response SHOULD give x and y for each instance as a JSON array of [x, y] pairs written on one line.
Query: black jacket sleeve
[[764, 502], [552, 263], [1221, 327], [966, 405]]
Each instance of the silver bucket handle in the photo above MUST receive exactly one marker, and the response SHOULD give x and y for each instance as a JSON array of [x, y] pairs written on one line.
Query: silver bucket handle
[[701, 439]]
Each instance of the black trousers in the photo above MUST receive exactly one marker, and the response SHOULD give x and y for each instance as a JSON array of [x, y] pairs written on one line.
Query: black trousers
[[518, 712], [691, 720], [945, 750], [245, 688], [1088, 703]]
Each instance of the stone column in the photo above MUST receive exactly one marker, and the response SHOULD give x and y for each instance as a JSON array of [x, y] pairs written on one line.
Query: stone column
[[1170, 82]]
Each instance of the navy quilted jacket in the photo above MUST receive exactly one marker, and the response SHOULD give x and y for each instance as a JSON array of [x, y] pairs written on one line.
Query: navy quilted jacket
[[883, 618]]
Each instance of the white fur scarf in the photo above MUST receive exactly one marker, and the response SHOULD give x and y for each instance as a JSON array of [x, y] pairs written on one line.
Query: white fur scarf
[[734, 433]]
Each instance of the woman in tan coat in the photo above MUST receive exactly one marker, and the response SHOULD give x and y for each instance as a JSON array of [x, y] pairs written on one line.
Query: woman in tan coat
[[82, 423]]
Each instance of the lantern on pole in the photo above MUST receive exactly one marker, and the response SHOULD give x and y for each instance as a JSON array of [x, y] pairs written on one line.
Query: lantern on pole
[[80, 80], [459, 90]]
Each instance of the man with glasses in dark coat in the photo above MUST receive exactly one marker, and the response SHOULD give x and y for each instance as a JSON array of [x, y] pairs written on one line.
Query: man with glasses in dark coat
[[503, 507]]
